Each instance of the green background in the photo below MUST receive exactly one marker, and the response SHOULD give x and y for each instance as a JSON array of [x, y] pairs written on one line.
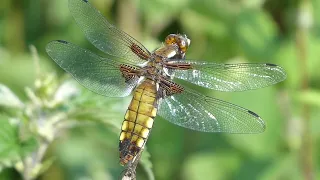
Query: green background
[[283, 32]]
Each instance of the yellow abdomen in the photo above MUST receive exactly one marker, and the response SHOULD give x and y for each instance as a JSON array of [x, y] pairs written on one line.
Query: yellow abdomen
[[138, 121]]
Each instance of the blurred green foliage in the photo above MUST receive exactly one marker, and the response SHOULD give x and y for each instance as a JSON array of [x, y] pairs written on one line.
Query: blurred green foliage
[[285, 32]]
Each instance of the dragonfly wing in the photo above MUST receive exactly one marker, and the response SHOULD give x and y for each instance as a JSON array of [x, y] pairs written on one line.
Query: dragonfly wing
[[228, 77], [100, 75], [106, 36], [192, 110]]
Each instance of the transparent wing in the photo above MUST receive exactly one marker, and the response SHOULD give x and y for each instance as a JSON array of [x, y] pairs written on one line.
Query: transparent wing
[[106, 36], [202, 113], [98, 74], [228, 77]]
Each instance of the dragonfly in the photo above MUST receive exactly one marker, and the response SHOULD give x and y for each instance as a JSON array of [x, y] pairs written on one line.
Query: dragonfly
[[131, 69]]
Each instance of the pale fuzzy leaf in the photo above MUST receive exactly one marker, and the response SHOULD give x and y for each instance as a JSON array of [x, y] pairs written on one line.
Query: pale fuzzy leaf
[[66, 91], [8, 98]]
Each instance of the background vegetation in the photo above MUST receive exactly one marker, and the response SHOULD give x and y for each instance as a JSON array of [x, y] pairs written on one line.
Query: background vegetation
[[52, 129]]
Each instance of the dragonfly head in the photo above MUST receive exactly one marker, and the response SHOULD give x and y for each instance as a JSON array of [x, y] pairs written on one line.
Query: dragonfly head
[[181, 40]]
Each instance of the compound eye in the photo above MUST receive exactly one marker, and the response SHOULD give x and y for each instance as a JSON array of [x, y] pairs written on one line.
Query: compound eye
[[170, 39], [183, 46], [182, 43]]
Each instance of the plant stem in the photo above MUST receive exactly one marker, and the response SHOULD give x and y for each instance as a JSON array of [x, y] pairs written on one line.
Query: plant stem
[[302, 54], [36, 60], [30, 163]]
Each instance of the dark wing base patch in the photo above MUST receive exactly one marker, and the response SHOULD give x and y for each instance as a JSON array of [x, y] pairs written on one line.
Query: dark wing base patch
[[169, 88], [129, 72]]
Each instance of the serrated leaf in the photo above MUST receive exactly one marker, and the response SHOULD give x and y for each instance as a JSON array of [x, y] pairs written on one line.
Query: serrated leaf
[[8, 98], [11, 148], [9, 142]]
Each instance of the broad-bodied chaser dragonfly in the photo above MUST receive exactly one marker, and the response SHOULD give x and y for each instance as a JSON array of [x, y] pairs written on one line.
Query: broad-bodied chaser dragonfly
[[149, 76]]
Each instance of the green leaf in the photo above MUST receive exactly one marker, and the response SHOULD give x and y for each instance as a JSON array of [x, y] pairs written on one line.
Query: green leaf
[[12, 149], [8, 98], [146, 164], [253, 3], [286, 56], [263, 144], [46, 164], [214, 27], [95, 108], [256, 34], [310, 97], [6, 174], [9, 143], [283, 167], [160, 12], [28, 146], [214, 165], [313, 63]]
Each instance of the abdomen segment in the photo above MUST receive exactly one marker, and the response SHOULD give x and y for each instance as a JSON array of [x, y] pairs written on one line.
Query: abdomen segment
[[138, 121]]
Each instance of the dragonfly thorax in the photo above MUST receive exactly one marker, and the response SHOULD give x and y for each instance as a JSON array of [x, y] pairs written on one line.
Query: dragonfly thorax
[[154, 70]]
